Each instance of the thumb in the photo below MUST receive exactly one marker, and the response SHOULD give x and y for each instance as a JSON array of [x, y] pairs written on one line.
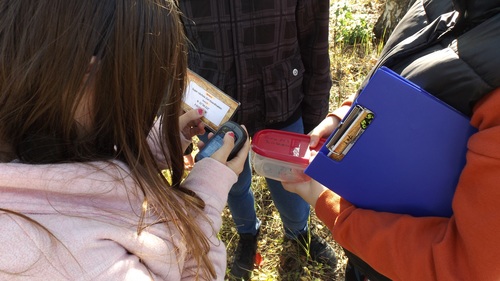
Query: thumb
[[313, 142], [223, 152], [315, 136]]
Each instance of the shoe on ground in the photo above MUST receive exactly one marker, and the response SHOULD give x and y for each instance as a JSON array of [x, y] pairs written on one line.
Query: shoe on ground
[[317, 249], [244, 257]]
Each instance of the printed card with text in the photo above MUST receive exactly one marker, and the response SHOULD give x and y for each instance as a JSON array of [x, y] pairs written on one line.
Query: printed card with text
[[218, 106]]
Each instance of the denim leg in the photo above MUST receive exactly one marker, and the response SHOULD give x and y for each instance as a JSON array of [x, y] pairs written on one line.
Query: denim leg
[[241, 201], [294, 211]]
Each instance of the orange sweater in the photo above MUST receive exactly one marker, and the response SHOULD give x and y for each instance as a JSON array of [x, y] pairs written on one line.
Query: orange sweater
[[463, 247]]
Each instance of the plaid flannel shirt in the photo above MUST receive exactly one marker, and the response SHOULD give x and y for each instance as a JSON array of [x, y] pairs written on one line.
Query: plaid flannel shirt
[[270, 55]]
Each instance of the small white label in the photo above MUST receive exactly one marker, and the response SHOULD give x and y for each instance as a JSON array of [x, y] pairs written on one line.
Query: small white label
[[197, 97]]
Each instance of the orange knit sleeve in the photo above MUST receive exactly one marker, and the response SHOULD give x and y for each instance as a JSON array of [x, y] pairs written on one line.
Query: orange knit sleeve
[[462, 247]]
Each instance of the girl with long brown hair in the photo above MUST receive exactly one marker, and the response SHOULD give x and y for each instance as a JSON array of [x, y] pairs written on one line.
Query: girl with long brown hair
[[90, 118]]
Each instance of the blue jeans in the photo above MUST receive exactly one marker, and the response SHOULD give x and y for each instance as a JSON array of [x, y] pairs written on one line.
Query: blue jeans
[[293, 210]]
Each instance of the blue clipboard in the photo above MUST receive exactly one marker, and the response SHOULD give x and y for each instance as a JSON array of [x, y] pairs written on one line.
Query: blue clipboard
[[399, 149]]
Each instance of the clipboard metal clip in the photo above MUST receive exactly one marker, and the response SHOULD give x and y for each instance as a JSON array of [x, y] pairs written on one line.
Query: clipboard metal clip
[[349, 131]]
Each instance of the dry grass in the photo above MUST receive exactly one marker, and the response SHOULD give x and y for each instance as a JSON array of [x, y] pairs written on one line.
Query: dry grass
[[280, 258]]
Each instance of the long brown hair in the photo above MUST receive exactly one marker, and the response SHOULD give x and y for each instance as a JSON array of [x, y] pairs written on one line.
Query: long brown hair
[[139, 49]]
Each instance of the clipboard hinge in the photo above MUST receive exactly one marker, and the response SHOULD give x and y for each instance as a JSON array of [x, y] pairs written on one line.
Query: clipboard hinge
[[349, 131]]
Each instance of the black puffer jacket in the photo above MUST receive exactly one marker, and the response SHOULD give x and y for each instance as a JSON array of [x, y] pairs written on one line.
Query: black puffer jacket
[[450, 48]]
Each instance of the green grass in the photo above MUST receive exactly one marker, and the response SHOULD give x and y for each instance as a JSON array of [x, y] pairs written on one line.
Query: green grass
[[351, 60], [352, 54]]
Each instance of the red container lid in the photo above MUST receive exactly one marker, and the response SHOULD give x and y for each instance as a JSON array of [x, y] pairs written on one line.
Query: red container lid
[[284, 146]]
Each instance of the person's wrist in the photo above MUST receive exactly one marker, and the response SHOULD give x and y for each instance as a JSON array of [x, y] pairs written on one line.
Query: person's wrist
[[311, 194]]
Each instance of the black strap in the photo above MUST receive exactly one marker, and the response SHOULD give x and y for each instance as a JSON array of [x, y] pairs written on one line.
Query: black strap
[[364, 268]]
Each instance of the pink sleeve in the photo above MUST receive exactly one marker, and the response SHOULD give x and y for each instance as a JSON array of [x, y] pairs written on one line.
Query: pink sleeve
[[154, 144], [211, 180]]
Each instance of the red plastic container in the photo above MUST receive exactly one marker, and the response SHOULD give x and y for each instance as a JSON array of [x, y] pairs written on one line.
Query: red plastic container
[[281, 155]]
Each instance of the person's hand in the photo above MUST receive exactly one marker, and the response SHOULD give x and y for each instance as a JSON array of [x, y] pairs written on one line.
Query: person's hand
[[324, 129], [236, 164], [191, 125], [309, 190]]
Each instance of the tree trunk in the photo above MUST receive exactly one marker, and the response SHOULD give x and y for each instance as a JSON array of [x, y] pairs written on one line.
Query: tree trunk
[[394, 10]]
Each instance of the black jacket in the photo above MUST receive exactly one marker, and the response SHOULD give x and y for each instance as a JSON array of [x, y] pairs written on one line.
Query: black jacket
[[450, 48]]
